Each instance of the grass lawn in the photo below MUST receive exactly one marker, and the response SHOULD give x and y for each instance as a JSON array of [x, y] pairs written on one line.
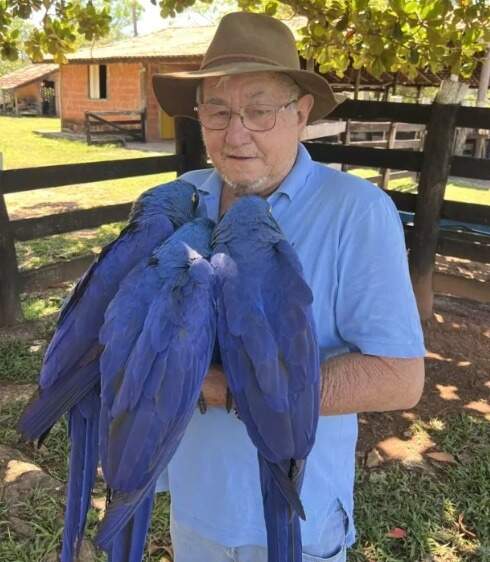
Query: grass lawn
[[22, 147]]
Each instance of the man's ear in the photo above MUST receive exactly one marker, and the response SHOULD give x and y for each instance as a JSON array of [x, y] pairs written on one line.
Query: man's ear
[[304, 107]]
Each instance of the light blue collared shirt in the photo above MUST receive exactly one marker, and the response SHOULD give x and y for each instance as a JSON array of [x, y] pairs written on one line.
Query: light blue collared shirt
[[349, 239]]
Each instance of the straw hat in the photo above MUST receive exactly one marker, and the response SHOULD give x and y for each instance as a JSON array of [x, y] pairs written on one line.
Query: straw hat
[[244, 43]]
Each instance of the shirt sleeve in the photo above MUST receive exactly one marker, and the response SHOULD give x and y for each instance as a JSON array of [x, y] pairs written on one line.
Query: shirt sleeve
[[376, 312]]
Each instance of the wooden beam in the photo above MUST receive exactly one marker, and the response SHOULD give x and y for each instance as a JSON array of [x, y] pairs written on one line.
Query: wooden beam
[[25, 179], [382, 111], [433, 178], [470, 213], [189, 146], [10, 310], [457, 244], [361, 156], [391, 144], [469, 167], [53, 274], [461, 287], [39, 227], [473, 117]]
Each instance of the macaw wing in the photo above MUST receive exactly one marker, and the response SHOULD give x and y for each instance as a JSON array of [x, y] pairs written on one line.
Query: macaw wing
[[269, 428], [158, 392], [68, 372], [289, 312], [83, 315]]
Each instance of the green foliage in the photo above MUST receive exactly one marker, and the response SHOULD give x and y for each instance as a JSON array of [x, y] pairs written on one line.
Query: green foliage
[[383, 35], [379, 35], [63, 22]]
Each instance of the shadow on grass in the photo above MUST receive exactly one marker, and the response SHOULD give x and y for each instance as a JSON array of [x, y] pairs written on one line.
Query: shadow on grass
[[444, 508]]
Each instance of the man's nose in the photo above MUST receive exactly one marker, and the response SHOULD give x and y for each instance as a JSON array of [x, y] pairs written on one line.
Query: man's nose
[[236, 132]]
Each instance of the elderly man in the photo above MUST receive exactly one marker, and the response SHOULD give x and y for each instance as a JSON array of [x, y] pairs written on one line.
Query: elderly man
[[253, 102]]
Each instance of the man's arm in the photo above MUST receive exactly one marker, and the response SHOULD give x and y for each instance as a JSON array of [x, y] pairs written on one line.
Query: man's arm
[[367, 383], [351, 383]]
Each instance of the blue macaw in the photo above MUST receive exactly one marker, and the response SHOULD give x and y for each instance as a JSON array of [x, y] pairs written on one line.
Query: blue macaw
[[158, 337], [70, 375], [270, 356]]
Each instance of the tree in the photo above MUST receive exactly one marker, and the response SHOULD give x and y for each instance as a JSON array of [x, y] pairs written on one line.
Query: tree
[[125, 13], [384, 35], [24, 29], [63, 22]]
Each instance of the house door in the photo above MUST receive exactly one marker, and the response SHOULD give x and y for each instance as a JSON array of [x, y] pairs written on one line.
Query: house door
[[48, 98], [167, 125]]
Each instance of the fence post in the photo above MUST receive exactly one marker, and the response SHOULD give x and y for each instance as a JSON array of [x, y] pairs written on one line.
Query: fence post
[[87, 128], [189, 145], [10, 311], [386, 172], [433, 178]]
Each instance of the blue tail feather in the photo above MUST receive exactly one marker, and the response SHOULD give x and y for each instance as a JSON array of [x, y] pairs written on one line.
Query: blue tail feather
[[282, 523], [129, 544], [83, 469]]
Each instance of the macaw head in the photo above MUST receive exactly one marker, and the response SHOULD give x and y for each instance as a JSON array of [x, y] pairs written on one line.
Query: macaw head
[[178, 200], [250, 220]]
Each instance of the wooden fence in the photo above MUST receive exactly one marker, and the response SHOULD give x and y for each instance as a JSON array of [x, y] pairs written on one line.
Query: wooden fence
[[115, 126], [190, 155]]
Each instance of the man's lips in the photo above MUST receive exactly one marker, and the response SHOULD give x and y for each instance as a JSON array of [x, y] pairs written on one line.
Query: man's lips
[[238, 157]]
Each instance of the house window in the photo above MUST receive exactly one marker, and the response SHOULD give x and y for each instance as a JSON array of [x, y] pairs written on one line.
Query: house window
[[97, 81]]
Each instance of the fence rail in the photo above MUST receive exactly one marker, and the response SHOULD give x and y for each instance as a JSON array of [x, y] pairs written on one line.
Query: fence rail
[[30, 229], [470, 117], [190, 154], [27, 179]]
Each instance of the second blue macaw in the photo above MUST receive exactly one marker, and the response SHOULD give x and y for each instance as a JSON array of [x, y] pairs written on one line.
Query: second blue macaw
[[70, 375], [270, 356], [158, 337]]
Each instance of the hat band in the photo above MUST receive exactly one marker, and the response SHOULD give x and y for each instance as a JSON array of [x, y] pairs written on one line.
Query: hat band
[[218, 61]]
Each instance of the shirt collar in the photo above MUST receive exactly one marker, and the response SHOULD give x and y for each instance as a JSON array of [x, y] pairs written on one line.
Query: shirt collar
[[297, 177], [212, 184], [290, 186]]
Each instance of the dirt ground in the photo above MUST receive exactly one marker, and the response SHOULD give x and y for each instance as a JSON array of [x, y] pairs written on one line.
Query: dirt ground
[[457, 339]]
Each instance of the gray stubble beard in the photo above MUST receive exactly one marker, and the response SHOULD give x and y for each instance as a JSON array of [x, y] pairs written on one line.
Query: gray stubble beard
[[241, 189]]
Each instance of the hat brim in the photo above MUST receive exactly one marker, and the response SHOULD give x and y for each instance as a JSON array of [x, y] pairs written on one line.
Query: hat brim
[[176, 91]]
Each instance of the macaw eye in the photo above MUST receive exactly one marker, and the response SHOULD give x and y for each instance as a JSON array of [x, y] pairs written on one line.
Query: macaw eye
[[195, 201]]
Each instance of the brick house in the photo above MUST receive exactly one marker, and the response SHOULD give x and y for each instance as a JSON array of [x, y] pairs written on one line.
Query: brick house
[[117, 77], [31, 90]]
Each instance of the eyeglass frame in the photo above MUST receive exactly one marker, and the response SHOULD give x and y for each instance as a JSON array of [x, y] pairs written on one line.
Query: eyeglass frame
[[240, 113]]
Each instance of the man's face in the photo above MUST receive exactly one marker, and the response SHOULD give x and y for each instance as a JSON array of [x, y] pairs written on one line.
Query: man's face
[[254, 161]]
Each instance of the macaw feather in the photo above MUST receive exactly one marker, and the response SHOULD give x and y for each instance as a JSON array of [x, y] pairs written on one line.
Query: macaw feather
[[83, 431], [270, 355], [149, 398]]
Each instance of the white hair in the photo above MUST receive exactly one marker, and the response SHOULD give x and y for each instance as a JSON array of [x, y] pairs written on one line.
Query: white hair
[[292, 88]]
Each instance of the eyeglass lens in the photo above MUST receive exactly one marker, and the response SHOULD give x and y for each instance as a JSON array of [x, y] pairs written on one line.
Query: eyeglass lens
[[257, 117]]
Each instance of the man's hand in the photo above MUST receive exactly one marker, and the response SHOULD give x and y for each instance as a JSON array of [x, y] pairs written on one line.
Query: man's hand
[[214, 387]]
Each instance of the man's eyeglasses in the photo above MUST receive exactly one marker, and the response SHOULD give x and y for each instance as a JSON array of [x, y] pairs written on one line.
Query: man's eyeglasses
[[254, 117]]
